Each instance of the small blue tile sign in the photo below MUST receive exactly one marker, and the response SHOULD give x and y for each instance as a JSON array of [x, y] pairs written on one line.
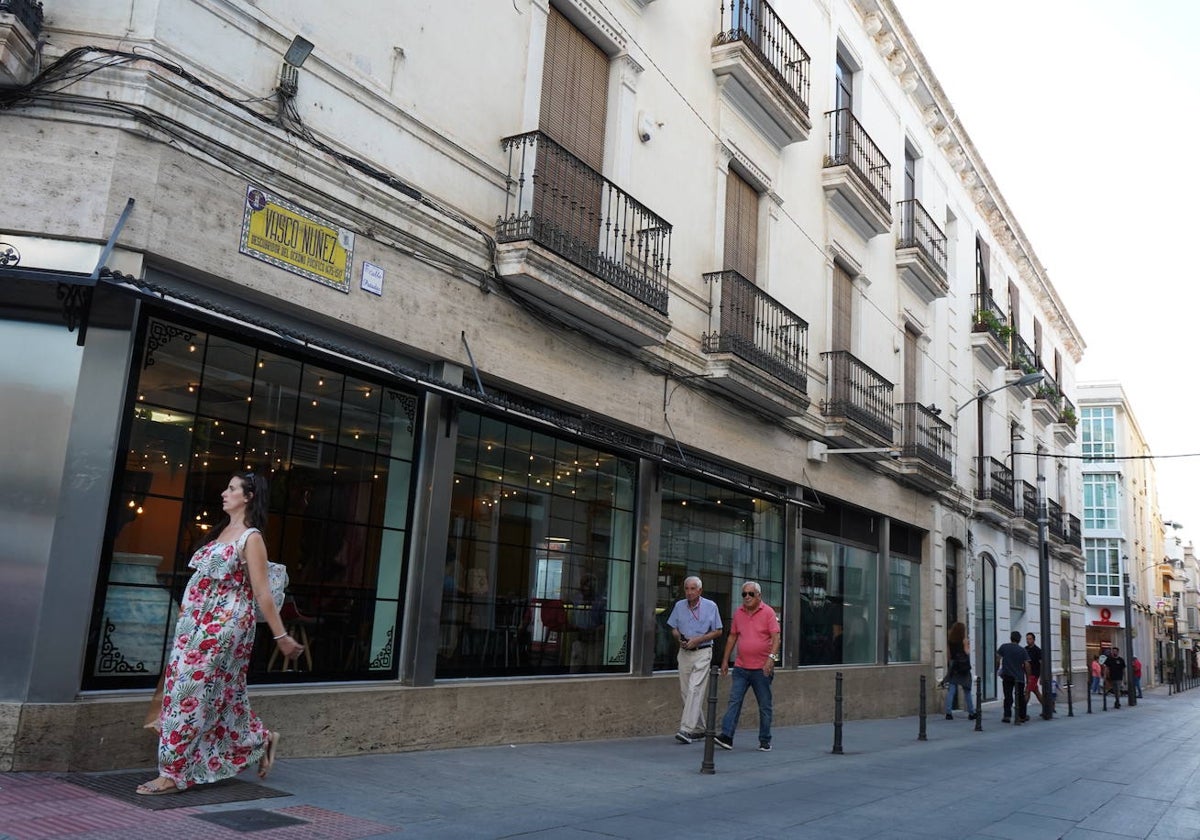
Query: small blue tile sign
[[372, 278]]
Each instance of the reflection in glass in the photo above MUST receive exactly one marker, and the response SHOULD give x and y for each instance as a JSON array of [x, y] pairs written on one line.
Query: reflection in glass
[[538, 561], [338, 453], [725, 537], [839, 596]]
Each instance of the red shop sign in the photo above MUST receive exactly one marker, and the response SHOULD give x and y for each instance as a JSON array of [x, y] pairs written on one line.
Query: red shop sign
[[1106, 619]]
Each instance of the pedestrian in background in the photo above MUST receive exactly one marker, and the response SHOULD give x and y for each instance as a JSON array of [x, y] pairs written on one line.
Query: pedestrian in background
[[1013, 664], [695, 623], [754, 631], [958, 669], [1136, 667], [1097, 673], [1035, 671], [1114, 667]]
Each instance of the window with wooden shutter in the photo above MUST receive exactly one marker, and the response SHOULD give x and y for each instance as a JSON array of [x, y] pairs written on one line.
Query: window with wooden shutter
[[569, 192], [574, 107], [1014, 308], [910, 366], [843, 301], [741, 226]]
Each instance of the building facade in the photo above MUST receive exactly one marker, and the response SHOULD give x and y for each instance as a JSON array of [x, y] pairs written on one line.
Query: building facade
[[525, 321], [1133, 558]]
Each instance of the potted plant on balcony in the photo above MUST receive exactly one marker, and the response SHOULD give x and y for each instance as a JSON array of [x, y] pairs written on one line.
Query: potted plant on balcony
[[988, 321], [1067, 416], [1046, 392]]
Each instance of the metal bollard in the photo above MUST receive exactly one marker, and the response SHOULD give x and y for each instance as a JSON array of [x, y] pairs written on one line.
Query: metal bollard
[[708, 767], [1103, 698], [1089, 695], [921, 730], [837, 714], [978, 705], [1070, 705]]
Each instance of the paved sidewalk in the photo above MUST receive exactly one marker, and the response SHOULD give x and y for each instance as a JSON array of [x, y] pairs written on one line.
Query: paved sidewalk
[[1131, 772]]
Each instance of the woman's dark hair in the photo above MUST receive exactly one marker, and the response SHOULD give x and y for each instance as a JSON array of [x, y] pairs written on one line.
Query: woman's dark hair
[[957, 632], [254, 485]]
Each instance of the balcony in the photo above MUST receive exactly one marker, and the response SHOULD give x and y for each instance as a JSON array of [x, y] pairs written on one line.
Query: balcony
[[1023, 360], [20, 26], [1074, 532], [1056, 527], [924, 448], [758, 348], [857, 177], [858, 406], [763, 71], [582, 247], [1046, 400], [921, 252], [1064, 427], [1026, 524], [990, 332], [994, 490]]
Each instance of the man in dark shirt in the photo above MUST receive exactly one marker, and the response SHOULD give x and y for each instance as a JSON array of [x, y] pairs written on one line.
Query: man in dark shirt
[[1013, 663], [1035, 671], [1114, 666]]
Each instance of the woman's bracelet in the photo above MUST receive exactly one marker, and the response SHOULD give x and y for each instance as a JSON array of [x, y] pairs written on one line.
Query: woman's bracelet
[[277, 638]]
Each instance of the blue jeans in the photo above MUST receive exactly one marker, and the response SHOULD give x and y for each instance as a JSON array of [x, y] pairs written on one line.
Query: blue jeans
[[1095, 685], [969, 699], [744, 678]]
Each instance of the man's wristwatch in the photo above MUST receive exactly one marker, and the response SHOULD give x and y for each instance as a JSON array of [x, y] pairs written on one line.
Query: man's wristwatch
[[774, 657]]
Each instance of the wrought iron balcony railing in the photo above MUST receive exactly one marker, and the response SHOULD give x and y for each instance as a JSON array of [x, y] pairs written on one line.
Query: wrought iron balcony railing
[[1023, 357], [1029, 502], [858, 393], [1074, 532], [754, 326], [989, 317], [850, 145], [918, 230], [29, 12], [755, 23], [1066, 411], [995, 483], [558, 201], [925, 436], [1047, 390], [1054, 515]]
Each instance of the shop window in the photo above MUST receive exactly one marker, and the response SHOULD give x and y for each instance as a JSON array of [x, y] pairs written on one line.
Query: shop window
[[723, 536], [839, 603], [539, 556], [904, 610], [338, 451]]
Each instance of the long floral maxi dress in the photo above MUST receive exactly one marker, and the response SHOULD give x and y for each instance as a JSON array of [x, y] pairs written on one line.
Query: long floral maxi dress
[[208, 729]]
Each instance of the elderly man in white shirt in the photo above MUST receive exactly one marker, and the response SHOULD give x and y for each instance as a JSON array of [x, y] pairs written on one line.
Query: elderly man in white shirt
[[695, 622]]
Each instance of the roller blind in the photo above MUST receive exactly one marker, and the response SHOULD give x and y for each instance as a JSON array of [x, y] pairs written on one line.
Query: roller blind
[[741, 226]]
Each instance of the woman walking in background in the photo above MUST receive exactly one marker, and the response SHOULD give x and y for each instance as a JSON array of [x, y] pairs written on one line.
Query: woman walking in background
[[1096, 674], [207, 729], [958, 672]]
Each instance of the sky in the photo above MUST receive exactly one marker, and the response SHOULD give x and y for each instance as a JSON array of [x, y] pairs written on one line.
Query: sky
[[1086, 112]]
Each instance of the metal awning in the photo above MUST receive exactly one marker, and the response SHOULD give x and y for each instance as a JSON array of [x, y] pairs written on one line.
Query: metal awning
[[75, 289]]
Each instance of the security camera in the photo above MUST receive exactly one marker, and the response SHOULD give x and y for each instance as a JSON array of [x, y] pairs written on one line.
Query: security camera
[[894, 454], [645, 136]]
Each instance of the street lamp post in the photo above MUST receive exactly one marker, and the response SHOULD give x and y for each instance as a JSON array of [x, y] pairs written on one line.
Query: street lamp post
[[1043, 547], [1043, 520], [1129, 639]]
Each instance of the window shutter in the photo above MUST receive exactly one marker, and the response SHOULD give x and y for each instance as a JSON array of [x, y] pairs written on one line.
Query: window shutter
[[574, 91], [843, 299], [741, 226]]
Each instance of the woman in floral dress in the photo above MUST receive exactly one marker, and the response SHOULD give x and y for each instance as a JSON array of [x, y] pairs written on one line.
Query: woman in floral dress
[[208, 731]]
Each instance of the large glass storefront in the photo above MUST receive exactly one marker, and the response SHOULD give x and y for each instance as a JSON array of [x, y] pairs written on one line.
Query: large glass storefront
[[841, 601], [338, 450], [724, 537], [539, 558]]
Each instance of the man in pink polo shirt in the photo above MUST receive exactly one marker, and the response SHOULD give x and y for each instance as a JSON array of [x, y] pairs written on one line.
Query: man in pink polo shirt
[[754, 631]]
